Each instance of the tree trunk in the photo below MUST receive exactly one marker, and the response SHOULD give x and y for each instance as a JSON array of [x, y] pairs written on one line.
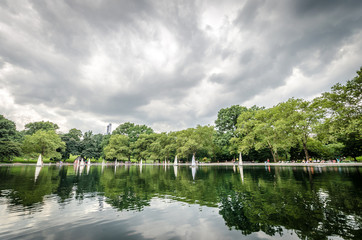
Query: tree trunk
[[305, 148], [274, 154]]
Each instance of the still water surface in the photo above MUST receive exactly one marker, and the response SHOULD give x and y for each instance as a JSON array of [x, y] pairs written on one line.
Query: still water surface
[[157, 202]]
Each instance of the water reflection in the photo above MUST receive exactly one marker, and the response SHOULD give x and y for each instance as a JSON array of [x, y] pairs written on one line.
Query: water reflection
[[241, 170], [313, 202], [81, 168], [193, 172], [37, 171], [175, 169]]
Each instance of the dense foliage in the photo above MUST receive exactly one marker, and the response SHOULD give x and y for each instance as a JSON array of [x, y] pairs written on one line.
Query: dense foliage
[[9, 147], [328, 127]]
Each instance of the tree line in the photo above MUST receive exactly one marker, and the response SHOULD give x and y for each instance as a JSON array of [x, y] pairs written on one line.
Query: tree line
[[326, 127]]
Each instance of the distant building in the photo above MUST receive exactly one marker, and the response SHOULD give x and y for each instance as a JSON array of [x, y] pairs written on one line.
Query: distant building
[[109, 128]]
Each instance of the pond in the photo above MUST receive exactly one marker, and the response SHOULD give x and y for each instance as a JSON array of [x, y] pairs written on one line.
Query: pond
[[158, 202]]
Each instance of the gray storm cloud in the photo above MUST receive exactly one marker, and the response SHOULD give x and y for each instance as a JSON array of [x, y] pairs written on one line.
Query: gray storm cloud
[[167, 64]]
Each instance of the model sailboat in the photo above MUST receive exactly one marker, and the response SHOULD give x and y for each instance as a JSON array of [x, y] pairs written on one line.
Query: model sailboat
[[39, 163], [193, 163]]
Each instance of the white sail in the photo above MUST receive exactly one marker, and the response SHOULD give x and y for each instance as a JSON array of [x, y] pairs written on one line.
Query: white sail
[[141, 162], [193, 163], [88, 168], [39, 162], [88, 162], [175, 162], [82, 162], [240, 159], [76, 162], [103, 163], [115, 163]]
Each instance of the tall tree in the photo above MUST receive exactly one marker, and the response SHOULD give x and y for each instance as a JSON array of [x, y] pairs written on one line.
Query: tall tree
[[9, 149], [91, 146], [297, 120], [344, 120], [76, 134], [225, 126], [256, 129], [31, 128], [164, 146], [8, 134], [118, 147], [72, 141], [192, 140], [7, 129], [132, 130], [142, 147], [227, 119], [47, 143]]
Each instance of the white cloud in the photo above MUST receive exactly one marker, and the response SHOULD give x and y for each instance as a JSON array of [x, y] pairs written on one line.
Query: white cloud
[[166, 64]]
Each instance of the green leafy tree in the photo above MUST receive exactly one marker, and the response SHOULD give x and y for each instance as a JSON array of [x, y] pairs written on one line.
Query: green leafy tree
[[320, 150], [266, 132], [9, 149], [164, 147], [47, 143], [8, 134], [75, 134], [33, 127], [279, 128], [7, 129], [226, 121], [343, 107], [256, 130], [91, 146], [226, 129], [193, 140], [72, 141], [132, 130], [118, 147], [225, 126], [105, 142], [142, 147], [297, 121]]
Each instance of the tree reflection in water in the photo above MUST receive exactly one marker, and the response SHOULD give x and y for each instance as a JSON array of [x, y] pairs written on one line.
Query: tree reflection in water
[[315, 203]]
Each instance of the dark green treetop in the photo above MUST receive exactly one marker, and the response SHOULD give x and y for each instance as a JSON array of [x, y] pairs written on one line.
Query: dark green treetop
[[132, 130], [31, 128]]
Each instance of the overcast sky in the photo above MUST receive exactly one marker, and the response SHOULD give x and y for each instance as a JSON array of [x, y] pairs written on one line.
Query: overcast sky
[[169, 64]]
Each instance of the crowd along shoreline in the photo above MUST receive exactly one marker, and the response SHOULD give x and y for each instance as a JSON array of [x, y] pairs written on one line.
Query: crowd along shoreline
[[199, 164]]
